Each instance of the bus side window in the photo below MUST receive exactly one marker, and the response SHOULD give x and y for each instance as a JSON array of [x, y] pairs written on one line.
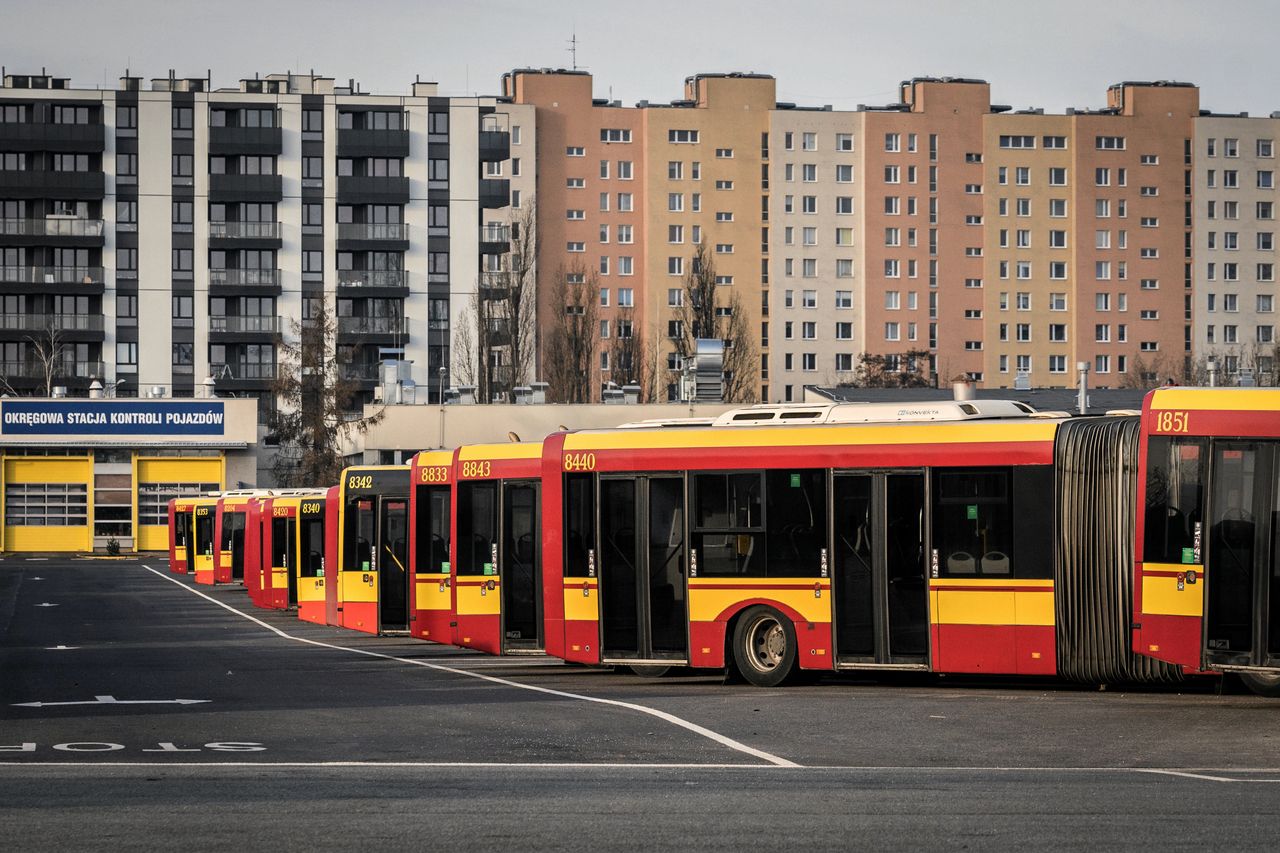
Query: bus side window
[[579, 524], [1175, 498]]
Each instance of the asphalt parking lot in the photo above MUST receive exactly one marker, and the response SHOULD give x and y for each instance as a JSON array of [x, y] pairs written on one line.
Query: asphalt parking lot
[[137, 710]]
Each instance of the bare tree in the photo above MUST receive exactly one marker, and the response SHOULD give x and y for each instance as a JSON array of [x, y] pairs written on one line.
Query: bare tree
[[317, 394], [573, 336], [519, 302], [1154, 372], [631, 355], [708, 310], [48, 350], [894, 370]]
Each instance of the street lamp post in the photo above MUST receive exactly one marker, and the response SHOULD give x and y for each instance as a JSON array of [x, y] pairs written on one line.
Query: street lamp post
[[440, 397]]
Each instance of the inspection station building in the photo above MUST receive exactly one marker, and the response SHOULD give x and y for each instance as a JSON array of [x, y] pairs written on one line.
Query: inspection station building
[[78, 473]]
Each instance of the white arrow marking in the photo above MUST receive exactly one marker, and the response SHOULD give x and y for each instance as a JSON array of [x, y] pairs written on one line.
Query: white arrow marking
[[59, 648], [111, 700], [46, 604]]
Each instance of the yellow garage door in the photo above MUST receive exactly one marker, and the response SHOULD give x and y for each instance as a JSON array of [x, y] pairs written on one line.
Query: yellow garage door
[[46, 503], [160, 480]]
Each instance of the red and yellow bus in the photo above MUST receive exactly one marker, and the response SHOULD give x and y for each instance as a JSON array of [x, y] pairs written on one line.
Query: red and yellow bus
[[836, 537], [230, 523], [1207, 591], [430, 535], [496, 566], [275, 584], [191, 535], [370, 592], [317, 555]]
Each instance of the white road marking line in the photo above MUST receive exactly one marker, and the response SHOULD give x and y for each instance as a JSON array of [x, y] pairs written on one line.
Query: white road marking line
[[1202, 775], [60, 648], [46, 604], [111, 700], [723, 740]]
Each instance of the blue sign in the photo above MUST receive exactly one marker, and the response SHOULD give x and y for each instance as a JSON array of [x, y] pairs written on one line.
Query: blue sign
[[114, 417]]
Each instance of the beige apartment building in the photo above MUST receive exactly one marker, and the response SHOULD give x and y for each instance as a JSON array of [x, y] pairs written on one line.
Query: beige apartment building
[[1235, 224], [815, 295]]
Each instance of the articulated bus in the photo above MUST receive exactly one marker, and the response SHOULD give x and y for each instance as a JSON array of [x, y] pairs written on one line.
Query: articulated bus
[[838, 537], [317, 555], [1208, 562], [430, 535], [497, 576], [371, 592], [191, 535]]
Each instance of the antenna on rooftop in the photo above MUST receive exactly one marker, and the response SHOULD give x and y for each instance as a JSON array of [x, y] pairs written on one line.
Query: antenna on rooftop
[[573, 49]]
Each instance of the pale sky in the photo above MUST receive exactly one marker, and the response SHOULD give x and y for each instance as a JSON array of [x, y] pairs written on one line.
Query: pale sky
[[1034, 53]]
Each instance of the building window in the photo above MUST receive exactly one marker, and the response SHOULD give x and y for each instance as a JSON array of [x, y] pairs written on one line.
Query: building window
[[687, 137]]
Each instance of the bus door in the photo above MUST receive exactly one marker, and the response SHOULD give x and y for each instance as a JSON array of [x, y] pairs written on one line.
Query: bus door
[[477, 606], [283, 585], [231, 546], [309, 577], [643, 595], [880, 589], [1242, 563], [433, 600], [181, 541], [203, 559], [521, 562], [393, 558]]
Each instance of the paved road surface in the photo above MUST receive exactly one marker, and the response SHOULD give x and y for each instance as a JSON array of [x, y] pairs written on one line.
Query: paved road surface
[[313, 737]]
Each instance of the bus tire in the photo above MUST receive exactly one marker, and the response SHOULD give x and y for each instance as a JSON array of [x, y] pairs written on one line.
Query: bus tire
[[650, 670], [764, 647], [1263, 684]]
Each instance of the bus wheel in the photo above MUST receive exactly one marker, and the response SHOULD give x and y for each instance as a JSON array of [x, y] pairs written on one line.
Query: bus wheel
[[1264, 684], [764, 647], [651, 670]]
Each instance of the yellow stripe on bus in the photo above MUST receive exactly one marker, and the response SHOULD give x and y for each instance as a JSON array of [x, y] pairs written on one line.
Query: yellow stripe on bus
[[494, 452], [355, 589], [1225, 399], [705, 605], [1160, 593], [579, 607], [984, 607], [471, 602], [816, 436]]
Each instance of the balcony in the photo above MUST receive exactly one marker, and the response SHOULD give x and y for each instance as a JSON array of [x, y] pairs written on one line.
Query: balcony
[[494, 192], [245, 140], [373, 278], [245, 325], [372, 325], [77, 186], [68, 324], [81, 371], [373, 231], [241, 372], [245, 188], [244, 278], [83, 138], [244, 230], [373, 190], [248, 235], [495, 145], [51, 275], [353, 142], [52, 226], [360, 372], [385, 236], [495, 240]]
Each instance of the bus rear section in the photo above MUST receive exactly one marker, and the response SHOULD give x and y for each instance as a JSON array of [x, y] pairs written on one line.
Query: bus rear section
[[430, 535], [282, 547], [204, 536], [181, 532], [255, 575], [1207, 591], [373, 591], [497, 570], [318, 558], [231, 523]]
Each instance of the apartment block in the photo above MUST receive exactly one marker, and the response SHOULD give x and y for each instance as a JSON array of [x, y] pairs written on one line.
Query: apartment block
[[176, 232], [639, 190], [816, 297], [1235, 227]]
